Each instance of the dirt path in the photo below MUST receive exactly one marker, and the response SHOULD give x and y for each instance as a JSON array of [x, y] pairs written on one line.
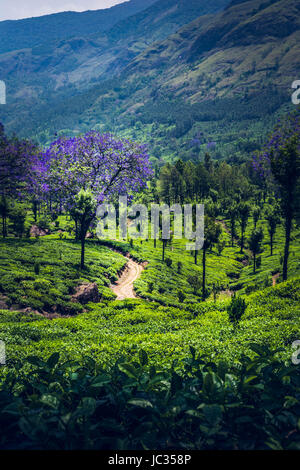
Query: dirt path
[[274, 279], [124, 286]]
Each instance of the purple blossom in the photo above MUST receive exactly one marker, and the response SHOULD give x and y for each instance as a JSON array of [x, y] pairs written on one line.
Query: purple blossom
[[99, 162]]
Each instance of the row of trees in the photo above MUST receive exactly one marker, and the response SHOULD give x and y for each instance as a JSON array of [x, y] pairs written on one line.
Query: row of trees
[[75, 174], [267, 186]]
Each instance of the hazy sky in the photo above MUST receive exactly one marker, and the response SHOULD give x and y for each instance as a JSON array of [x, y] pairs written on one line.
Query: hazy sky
[[17, 9]]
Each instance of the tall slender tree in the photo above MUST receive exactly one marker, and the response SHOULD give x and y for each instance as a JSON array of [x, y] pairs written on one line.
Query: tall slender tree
[[273, 219], [255, 242], [212, 232], [243, 216], [280, 161]]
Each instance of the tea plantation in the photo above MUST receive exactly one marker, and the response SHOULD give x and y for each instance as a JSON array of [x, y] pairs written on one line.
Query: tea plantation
[[178, 372]]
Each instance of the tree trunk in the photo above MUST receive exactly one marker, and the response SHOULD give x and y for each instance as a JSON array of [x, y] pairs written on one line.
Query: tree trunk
[[3, 227], [271, 244], [203, 273], [76, 229], [242, 242], [254, 263], [163, 253], [82, 251], [196, 256], [288, 228]]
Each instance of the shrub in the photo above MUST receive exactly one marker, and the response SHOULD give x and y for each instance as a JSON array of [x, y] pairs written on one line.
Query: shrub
[[205, 407], [195, 283], [220, 246], [179, 267], [44, 223], [168, 262], [150, 287], [37, 267], [236, 309], [17, 218], [42, 285], [181, 296], [258, 262]]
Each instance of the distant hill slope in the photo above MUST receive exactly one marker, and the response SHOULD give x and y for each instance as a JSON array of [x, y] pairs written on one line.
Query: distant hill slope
[[250, 41], [84, 55], [220, 79], [31, 32]]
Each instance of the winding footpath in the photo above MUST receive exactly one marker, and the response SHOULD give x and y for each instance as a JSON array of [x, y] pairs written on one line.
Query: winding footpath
[[124, 286]]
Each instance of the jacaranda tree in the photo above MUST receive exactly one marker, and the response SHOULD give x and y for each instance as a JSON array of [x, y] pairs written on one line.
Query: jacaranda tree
[[280, 162], [18, 161], [97, 167]]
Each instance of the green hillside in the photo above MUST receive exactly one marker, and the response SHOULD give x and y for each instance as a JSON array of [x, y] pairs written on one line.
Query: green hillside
[[203, 84], [36, 73], [171, 322], [49, 29]]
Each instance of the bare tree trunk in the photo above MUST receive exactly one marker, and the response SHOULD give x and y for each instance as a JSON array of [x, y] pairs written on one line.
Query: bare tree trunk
[[271, 243], [288, 228], [82, 251], [203, 273]]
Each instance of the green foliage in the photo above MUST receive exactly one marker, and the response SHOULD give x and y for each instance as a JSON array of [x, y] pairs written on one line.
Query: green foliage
[[135, 405], [44, 274], [255, 244], [181, 296], [44, 223], [37, 268], [236, 309], [17, 218], [258, 262], [195, 283], [150, 287], [220, 246]]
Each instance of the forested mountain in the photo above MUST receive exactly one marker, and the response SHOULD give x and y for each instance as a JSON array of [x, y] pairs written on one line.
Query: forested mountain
[[217, 82], [80, 56], [31, 32]]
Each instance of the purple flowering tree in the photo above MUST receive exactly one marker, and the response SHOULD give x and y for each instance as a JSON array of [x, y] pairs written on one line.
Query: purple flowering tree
[[279, 163], [18, 159], [90, 169]]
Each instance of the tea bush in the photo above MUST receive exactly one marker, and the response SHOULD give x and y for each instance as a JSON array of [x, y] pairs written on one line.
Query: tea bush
[[39, 275], [134, 405]]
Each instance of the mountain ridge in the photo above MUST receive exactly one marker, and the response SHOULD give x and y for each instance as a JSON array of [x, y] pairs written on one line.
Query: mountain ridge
[[30, 32], [230, 93]]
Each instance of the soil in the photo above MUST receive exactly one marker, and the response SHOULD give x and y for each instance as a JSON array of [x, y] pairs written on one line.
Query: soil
[[124, 286]]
